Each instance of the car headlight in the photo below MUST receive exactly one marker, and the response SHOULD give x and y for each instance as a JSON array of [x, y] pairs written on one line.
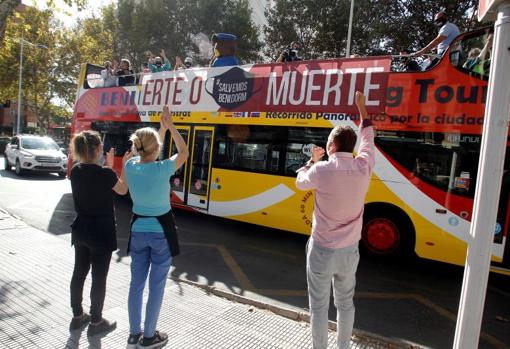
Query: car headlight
[[26, 154]]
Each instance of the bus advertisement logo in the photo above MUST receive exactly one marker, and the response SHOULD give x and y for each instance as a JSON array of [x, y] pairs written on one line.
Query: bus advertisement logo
[[232, 88]]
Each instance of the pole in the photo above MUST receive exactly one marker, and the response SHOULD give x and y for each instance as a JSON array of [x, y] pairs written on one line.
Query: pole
[[349, 31], [492, 156], [18, 119]]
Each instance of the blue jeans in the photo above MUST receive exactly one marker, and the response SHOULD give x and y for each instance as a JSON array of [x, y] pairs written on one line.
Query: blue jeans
[[147, 250], [326, 267]]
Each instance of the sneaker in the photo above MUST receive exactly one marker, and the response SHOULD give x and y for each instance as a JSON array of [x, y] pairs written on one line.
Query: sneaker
[[104, 326], [157, 341], [133, 340], [79, 322]]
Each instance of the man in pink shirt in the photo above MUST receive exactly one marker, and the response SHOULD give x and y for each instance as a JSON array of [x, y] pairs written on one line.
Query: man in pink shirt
[[340, 184]]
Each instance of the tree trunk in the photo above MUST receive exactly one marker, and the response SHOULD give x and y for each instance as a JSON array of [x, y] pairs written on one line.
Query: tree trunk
[[7, 7]]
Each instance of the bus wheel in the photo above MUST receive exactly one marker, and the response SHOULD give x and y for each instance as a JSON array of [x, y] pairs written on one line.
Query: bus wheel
[[387, 232]]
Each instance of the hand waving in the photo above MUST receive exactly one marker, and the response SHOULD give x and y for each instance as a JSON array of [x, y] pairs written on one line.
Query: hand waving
[[108, 159], [166, 118], [360, 99]]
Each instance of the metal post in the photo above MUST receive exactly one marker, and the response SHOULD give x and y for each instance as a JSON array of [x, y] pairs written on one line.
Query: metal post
[[349, 31], [492, 156], [18, 119]]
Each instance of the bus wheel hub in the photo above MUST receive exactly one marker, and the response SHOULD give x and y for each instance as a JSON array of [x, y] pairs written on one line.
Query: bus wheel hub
[[382, 235]]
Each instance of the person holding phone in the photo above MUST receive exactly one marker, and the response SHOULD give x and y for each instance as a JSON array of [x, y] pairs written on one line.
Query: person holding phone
[[332, 256]]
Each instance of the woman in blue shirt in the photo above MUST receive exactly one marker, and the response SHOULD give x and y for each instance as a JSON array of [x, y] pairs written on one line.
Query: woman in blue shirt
[[153, 239]]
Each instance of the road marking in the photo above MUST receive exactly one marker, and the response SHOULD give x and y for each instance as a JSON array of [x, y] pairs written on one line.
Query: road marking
[[231, 263], [246, 284], [259, 249]]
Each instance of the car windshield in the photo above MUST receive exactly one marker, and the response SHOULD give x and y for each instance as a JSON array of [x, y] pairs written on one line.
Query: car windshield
[[39, 143]]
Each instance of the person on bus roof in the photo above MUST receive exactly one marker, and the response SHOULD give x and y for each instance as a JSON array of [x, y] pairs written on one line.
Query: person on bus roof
[[108, 74], [125, 74], [225, 47], [447, 33], [332, 256], [159, 63], [153, 240]]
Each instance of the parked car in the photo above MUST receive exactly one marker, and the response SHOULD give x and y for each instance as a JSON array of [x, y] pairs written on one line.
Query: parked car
[[35, 153], [4, 140]]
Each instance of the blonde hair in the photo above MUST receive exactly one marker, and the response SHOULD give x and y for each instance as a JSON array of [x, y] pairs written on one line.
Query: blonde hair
[[146, 141], [84, 145]]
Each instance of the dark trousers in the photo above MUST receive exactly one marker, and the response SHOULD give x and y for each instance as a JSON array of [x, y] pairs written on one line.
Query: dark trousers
[[84, 258]]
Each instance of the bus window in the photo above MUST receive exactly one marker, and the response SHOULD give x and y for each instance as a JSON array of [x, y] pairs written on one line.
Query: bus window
[[446, 161], [249, 148], [299, 146], [116, 134], [472, 54]]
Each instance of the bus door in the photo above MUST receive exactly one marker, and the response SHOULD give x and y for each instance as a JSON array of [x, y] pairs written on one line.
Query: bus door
[[198, 184], [178, 180]]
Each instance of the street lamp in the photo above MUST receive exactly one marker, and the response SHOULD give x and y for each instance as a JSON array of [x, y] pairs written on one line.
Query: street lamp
[[22, 42], [349, 31]]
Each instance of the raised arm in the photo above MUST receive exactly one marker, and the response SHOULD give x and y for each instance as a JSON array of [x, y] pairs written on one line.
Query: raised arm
[[366, 150], [182, 149], [120, 187]]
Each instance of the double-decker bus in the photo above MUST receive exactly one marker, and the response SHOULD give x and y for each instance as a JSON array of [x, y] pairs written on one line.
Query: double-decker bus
[[248, 129]]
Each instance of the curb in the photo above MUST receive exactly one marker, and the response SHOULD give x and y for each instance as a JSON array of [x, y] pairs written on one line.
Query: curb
[[301, 316], [362, 337]]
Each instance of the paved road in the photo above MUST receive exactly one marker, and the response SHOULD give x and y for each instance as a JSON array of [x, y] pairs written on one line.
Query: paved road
[[415, 300]]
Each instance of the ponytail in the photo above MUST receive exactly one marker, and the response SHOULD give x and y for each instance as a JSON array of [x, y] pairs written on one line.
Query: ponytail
[[84, 145], [145, 141]]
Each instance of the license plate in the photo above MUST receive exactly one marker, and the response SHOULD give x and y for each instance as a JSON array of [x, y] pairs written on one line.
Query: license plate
[[44, 164]]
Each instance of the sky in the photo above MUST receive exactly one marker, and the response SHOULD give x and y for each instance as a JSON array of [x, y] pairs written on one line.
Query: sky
[[68, 15]]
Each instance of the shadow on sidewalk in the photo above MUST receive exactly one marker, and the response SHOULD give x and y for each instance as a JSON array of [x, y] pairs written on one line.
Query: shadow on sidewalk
[[16, 301]]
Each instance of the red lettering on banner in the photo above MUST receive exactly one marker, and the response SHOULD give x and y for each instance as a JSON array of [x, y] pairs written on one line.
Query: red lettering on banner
[[197, 89], [177, 91], [146, 92], [168, 81], [158, 85]]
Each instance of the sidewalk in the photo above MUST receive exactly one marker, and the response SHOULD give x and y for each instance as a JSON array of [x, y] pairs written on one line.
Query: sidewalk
[[35, 270]]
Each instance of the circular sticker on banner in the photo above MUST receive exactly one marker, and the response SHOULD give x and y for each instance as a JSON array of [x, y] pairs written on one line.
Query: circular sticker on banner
[[307, 149], [453, 221], [177, 181], [498, 229], [198, 184]]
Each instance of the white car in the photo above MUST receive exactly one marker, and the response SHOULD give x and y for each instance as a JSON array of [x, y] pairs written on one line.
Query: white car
[[35, 153]]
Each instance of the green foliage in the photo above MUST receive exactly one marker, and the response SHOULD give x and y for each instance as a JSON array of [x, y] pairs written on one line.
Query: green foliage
[[39, 81], [379, 26], [153, 25]]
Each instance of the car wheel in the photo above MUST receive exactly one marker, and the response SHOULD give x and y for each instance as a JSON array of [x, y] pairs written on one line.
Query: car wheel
[[62, 175], [17, 168], [8, 166]]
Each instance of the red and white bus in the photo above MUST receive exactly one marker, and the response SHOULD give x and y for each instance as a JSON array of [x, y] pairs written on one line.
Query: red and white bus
[[250, 127]]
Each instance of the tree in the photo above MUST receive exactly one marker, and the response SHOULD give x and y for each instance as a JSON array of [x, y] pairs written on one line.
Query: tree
[[39, 27], [90, 40], [379, 26], [171, 25], [7, 8]]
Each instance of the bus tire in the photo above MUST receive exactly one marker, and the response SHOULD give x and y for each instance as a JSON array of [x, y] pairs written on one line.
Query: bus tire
[[387, 231]]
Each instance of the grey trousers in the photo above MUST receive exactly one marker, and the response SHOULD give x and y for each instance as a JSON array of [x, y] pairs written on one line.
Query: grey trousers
[[324, 267]]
